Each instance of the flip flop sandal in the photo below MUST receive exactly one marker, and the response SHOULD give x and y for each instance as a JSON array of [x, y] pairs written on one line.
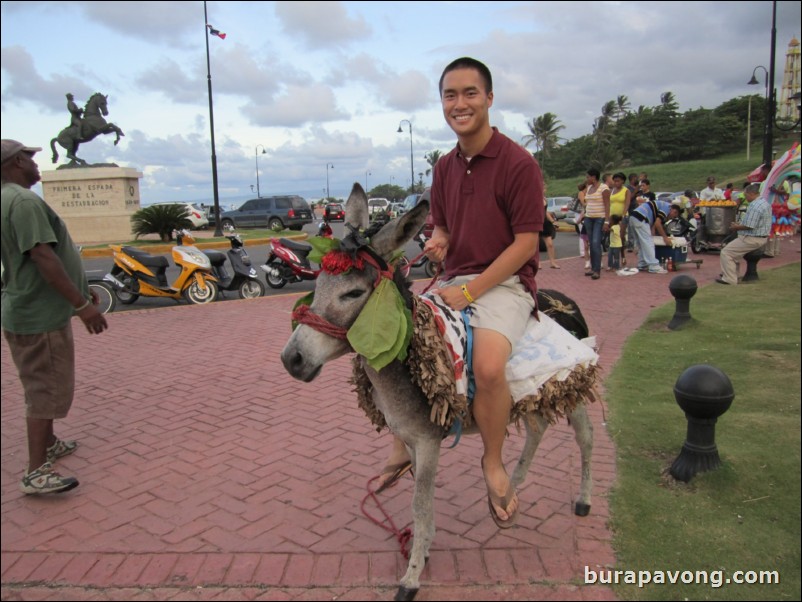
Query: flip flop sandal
[[396, 471], [502, 502]]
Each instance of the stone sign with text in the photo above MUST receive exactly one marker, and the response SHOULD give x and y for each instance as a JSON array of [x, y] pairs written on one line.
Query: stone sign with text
[[96, 203]]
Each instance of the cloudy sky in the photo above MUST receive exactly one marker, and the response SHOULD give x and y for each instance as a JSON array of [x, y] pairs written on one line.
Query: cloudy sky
[[317, 83]]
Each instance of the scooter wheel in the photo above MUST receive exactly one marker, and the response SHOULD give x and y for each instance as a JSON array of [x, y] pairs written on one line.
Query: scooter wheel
[[251, 289], [107, 300], [430, 269], [194, 294], [404, 266], [130, 293], [274, 281]]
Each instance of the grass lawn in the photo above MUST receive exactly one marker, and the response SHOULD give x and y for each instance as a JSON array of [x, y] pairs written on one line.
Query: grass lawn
[[671, 177], [744, 516]]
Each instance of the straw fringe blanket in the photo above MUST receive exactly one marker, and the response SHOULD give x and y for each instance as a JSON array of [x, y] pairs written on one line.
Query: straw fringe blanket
[[550, 372]]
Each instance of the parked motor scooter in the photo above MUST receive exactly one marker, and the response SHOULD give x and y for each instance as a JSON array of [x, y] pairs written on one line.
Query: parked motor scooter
[[142, 274], [288, 260], [244, 279]]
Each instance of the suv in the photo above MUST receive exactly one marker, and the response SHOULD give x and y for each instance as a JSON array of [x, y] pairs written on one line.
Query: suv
[[377, 205], [334, 212], [274, 212], [194, 213]]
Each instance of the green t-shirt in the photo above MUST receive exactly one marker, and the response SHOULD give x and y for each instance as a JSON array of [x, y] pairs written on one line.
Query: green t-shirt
[[29, 304]]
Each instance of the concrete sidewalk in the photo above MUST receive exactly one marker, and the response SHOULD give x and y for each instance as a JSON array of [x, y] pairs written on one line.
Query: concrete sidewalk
[[208, 473]]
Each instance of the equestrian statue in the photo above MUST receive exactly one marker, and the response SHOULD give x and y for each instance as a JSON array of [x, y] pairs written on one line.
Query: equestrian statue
[[85, 125]]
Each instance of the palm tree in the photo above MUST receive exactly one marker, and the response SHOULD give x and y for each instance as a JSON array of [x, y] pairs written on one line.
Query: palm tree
[[668, 103], [622, 107], [432, 158], [161, 220], [544, 133]]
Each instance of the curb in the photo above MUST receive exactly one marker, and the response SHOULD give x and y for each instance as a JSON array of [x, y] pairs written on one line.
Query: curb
[[167, 247]]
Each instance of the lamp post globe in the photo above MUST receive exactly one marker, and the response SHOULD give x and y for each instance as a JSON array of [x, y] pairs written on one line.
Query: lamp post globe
[[411, 154], [256, 155]]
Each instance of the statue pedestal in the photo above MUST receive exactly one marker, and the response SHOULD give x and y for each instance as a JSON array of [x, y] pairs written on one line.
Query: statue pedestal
[[96, 203]]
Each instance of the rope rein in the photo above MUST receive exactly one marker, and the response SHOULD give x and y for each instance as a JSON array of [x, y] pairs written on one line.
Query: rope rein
[[304, 315], [403, 536]]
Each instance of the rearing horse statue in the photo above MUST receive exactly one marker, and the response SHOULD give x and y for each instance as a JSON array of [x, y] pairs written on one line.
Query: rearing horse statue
[[92, 125]]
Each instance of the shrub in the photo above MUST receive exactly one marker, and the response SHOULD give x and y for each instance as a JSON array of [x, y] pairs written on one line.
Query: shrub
[[161, 220]]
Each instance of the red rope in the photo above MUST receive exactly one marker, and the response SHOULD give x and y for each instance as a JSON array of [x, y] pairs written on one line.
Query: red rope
[[303, 315], [403, 536]]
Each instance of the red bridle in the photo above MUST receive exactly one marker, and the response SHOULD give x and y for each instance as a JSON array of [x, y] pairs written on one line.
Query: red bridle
[[303, 314]]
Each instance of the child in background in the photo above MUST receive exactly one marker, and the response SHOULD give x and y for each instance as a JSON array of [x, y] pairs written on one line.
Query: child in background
[[614, 253]]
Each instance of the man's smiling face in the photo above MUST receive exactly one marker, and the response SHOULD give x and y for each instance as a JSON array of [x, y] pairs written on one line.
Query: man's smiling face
[[466, 102]]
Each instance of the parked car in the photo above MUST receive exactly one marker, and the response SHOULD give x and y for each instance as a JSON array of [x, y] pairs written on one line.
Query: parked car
[[663, 196], [559, 205], [195, 214], [334, 212], [396, 209], [411, 201], [274, 212], [378, 204]]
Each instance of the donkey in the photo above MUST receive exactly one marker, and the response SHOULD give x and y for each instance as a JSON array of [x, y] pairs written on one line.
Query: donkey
[[320, 337]]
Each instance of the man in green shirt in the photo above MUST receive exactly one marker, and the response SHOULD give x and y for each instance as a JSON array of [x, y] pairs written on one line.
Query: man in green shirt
[[44, 285]]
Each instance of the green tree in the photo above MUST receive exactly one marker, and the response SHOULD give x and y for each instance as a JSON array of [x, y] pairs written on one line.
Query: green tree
[[432, 158], [161, 220], [622, 107], [391, 192], [545, 131]]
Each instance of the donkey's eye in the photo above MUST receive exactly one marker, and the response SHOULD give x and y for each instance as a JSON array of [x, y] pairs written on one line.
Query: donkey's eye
[[353, 294]]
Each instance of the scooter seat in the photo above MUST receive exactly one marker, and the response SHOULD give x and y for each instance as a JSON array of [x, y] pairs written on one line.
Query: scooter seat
[[215, 257], [298, 247], [152, 261]]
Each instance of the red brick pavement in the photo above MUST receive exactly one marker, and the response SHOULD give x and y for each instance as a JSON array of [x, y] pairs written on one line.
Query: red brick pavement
[[208, 473]]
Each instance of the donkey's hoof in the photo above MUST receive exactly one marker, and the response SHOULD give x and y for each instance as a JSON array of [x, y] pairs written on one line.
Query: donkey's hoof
[[404, 593], [582, 509]]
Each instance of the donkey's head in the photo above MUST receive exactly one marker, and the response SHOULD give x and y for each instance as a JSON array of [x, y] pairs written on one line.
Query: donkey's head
[[340, 297]]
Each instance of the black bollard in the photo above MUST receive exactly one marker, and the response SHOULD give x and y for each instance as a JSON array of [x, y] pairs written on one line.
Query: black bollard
[[682, 287], [704, 393]]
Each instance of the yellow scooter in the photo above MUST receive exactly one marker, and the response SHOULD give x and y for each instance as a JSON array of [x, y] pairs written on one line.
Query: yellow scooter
[[137, 273]]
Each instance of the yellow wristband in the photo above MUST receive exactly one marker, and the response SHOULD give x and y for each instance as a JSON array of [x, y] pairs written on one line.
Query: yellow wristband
[[465, 292], [83, 307]]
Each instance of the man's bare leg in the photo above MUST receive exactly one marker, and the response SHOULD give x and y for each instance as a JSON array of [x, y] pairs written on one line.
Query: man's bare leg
[[491, 409]]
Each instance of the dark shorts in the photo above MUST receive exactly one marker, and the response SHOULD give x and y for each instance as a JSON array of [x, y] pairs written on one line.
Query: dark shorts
[[46, 366], [548, 229]]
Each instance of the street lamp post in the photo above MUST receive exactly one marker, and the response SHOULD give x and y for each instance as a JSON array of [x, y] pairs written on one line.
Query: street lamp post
[[328, 194], [367, 173], [256, 155], [411, 162], [767, 133]]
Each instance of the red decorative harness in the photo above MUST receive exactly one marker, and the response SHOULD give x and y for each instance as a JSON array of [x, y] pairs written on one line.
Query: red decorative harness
[[337, 262]]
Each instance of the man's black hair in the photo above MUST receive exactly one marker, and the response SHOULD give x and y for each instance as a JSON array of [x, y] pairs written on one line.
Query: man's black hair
[[467, 62]]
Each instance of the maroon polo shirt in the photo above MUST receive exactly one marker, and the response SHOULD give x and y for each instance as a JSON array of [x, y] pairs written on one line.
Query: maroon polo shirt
[[485, 202]]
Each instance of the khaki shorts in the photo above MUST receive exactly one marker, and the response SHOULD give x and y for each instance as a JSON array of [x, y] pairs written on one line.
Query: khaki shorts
[[505, 308], [46, 366]]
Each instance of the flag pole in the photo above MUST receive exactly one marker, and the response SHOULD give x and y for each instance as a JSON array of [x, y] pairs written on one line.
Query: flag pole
[[217, 229]]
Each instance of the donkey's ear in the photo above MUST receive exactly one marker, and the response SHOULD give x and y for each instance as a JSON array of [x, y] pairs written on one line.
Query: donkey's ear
[[400, 231], [356, 208]]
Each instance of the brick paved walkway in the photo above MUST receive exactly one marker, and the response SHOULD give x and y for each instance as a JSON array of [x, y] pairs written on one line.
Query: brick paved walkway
[[208, 473]]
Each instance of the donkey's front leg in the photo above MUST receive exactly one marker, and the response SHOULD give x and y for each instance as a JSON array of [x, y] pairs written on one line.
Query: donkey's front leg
[[535, 428], [426, 455]]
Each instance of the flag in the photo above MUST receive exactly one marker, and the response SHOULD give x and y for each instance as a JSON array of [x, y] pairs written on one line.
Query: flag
[[216, 32]]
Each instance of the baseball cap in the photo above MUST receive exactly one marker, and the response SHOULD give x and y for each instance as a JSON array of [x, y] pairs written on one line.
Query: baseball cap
[[12, 147]]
